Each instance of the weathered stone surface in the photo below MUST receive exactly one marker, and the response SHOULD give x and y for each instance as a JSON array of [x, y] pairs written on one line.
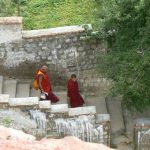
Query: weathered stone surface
[[34, 93], [18, 120], [82, 111], [99, 102], [102, 118], [28, 101], [62, 96], [9, 87], [59, 108], [53, 31], [1, 84], [116, 115], [23, 90], [4, 98], [44, 104], [10, 29], [10, 20], [17, 140]]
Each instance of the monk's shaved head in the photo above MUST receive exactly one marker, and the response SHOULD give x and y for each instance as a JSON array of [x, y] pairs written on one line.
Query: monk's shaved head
[[44, 68]]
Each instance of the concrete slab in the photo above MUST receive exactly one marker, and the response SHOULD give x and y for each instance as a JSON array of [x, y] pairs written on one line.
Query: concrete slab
[[82, 111], [1, 84], [44, 104], [23, 90], [59, 108], [62, 96], [116, 115], [9, 87], [34, 93], [99, 102], [4, 98], [27, 101]]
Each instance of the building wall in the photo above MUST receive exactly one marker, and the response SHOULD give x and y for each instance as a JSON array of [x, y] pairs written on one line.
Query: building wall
[[65, 50]]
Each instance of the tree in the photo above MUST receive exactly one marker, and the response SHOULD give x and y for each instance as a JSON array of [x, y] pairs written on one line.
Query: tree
[[127, 31]]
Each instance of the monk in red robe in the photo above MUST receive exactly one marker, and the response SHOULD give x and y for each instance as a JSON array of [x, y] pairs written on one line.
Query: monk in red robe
[[45, 84], [74, 96]]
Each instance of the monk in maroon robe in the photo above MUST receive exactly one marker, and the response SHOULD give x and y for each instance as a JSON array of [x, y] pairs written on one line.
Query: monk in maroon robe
[[74, 96], [45, 84]]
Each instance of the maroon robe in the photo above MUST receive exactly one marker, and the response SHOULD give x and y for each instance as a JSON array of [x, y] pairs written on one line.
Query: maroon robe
[[76, 99]]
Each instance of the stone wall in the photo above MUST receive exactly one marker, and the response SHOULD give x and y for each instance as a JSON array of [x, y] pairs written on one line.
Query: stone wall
[[64, 50], [55, 121]]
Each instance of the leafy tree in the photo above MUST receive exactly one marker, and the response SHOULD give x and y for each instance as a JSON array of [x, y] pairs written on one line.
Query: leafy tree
[[127, 30]]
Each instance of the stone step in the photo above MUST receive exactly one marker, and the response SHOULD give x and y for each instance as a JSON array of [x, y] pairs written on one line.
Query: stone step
[[116, 115], [59, 108], [34, 93], [4, 98], [99, 102], [23, 90], [45, 104], [88, 110], [62, 95], [26, 101], [1, 84], [9, 87]]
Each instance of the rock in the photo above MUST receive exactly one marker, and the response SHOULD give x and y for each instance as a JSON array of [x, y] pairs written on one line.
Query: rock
[[21, 141], [12, 134]]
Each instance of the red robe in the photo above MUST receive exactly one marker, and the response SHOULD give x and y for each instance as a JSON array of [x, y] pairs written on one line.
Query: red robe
[[47, 87], [76, 99]]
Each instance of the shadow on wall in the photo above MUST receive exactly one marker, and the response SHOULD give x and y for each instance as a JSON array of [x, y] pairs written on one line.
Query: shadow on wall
[[27, 70]]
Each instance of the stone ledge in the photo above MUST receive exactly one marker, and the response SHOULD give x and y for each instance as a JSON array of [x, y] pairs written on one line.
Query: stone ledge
[[28, 101], [59, 108], [4, 98], [10, 20], [54, 31], [102, 118], [82, 111], [44, 104]]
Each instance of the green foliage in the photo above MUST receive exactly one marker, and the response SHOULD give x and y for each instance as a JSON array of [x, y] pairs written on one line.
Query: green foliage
[[7, 122], [128, 62], [50, 13], [53, 13], [6, 8]]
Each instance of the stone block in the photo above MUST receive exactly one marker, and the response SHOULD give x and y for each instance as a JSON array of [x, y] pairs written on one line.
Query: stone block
[[4, 98], [1, 84], [59, 108], [99, 102], [44, 104], [62, 96], [102, 118], [28, 101], [23, 90], [10, 87], [116, 115], [82, 111]]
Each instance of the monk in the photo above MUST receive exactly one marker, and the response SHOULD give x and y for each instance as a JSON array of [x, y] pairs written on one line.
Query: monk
[[45, 85], [74, 96]]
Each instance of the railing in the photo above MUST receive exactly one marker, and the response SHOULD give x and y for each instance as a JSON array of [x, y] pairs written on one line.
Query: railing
[[142, 137]]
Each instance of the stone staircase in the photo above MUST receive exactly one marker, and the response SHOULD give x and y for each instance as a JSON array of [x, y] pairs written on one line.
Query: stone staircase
[[14, 93]]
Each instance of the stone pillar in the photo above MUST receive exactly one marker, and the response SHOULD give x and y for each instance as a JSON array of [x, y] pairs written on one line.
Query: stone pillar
[[10, 29]]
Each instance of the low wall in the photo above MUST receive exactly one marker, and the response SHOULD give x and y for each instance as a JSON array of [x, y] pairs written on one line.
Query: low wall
[[65, 50]]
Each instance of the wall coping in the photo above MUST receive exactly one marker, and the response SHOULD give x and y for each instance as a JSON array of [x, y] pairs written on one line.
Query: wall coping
[[10, 20], [54, 31]]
